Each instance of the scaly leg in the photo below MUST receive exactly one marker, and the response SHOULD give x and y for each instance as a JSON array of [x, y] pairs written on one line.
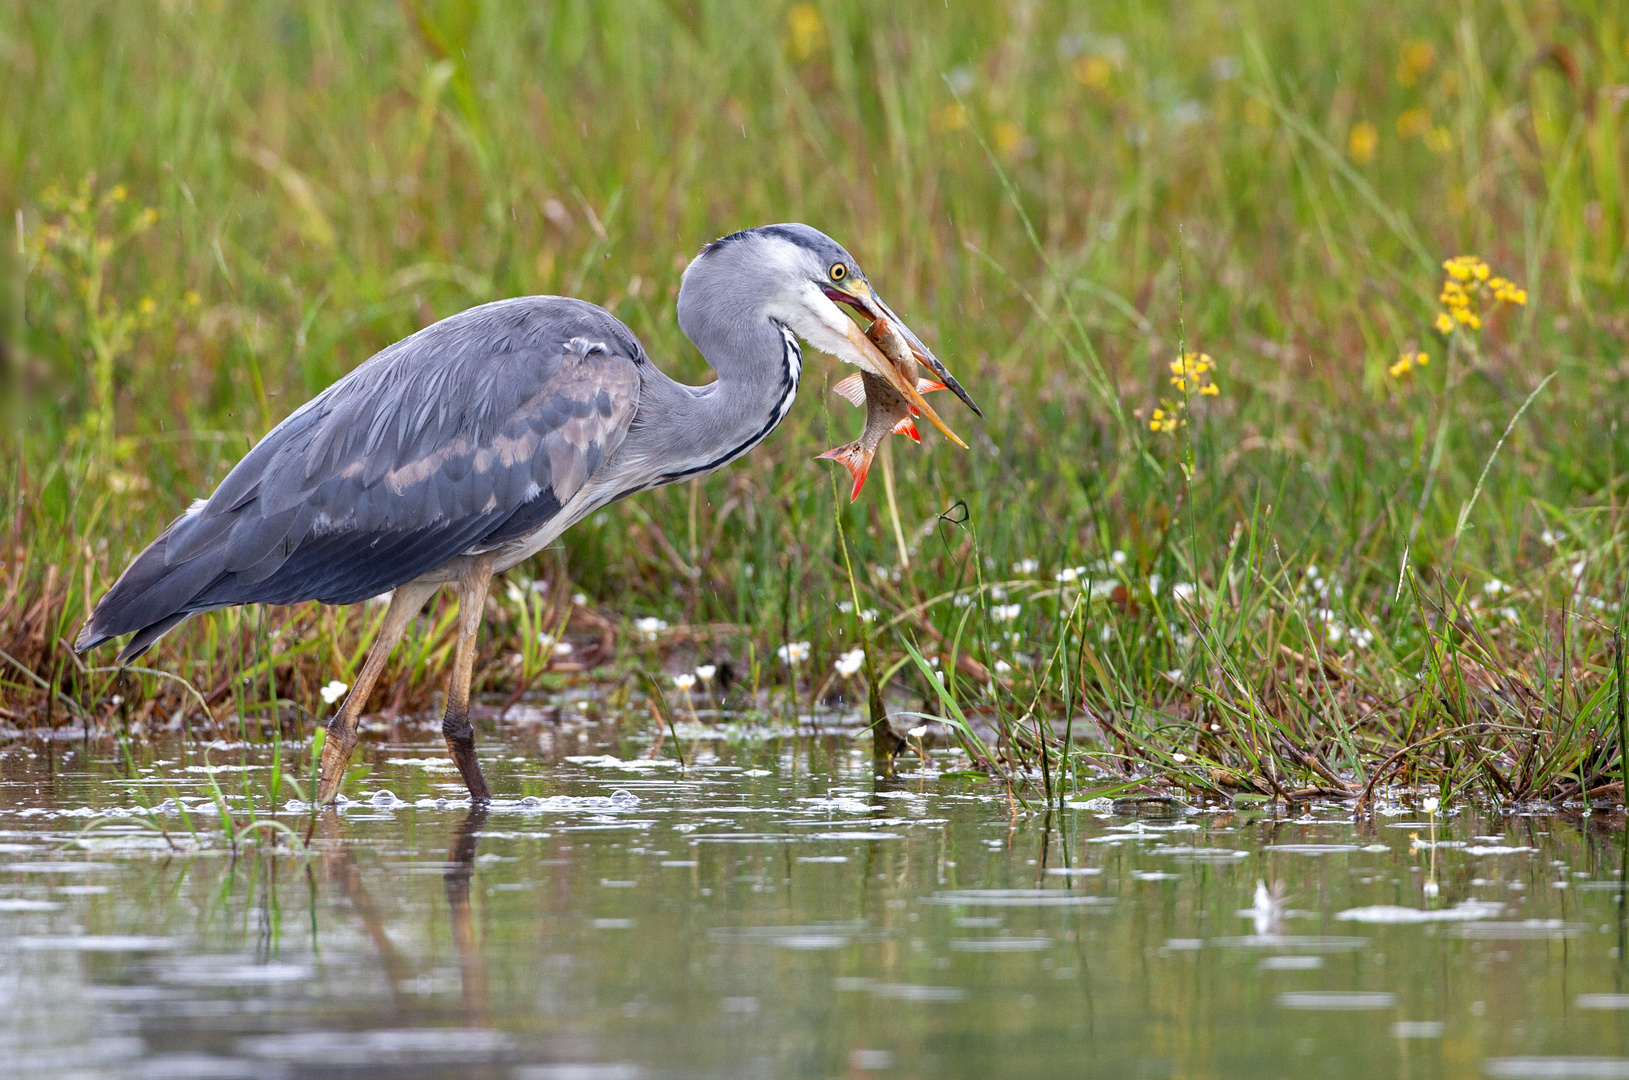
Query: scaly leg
[[405, 603], [455, 726]]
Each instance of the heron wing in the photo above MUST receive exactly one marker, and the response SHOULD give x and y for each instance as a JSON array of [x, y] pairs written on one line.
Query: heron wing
[[470, 434]]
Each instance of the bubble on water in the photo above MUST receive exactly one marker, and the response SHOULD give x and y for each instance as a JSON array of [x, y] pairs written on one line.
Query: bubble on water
[[912, 992], [1526, 930], [870, 1060], [1000, 944], [384, 797], [1291, 963], [1557, 1068], [1337, 1000], [336, 1050], [1603, 1001], [531, 802], [1417, 1029], [1016, 898], [1392, 914], [624, 798], [7, 904], [95, 943]]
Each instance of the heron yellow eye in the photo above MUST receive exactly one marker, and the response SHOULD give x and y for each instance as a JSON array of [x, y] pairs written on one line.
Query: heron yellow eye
[[838, 271]]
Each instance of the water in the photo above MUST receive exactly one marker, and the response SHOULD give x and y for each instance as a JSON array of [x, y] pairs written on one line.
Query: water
[[771, 912]]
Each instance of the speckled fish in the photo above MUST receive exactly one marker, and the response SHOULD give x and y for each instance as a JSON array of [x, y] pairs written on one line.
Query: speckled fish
[[886, 409]]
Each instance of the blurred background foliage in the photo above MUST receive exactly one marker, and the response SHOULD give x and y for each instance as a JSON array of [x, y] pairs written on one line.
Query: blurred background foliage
[[218, 208]]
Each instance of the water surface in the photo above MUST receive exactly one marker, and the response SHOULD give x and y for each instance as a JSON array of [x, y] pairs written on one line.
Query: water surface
[[773, 911]]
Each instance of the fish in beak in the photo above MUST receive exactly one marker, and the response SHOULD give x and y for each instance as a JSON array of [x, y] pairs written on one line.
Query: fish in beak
[[857, 294]]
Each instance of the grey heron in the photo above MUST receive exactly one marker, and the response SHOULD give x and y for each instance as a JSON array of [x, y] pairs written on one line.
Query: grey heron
[[460, 451]]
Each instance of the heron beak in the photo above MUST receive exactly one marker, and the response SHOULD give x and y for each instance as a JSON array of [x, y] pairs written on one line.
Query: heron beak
[[860, 296]]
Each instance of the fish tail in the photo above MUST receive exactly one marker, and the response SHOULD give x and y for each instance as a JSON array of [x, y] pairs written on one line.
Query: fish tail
[[856, 459]]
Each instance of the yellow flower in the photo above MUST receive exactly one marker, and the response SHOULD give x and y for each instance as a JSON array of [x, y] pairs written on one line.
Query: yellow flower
[[952, 117], [1407, 362], [1439, 140], [191, 298], [1093, 71], [1008, 136], [119, 193], [1163, 421], [1414, 123], [1210, 390], [1414, 59], [1445, 323], [147, 305], [1361, 143], [805, 31]]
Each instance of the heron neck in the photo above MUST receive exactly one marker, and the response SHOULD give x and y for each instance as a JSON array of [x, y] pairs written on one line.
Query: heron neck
[[706, 427]]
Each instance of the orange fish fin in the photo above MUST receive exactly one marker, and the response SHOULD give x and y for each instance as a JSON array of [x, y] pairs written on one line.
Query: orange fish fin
[[853, 457], [928, 386], [851, 389], [907, 428]]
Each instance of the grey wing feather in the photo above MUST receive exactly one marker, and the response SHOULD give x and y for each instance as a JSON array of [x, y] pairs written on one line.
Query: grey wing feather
[[467, 435]]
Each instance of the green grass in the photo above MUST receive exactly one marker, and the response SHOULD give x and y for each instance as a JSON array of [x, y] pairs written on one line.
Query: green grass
[[1060, 200]]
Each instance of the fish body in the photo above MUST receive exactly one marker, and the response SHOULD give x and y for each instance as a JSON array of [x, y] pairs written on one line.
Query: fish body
[[886, 409]]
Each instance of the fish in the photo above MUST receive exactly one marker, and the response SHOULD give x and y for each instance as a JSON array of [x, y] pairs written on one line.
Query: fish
[[886, 410]]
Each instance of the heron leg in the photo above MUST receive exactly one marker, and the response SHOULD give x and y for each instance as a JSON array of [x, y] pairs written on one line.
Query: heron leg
[[455, 726], [405, 603]]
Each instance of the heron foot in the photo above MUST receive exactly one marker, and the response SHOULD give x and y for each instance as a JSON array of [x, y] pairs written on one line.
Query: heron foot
[[336, 755], [460, 736]]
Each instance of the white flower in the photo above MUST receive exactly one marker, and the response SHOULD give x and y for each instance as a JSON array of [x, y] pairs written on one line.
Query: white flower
[[1026, 566], [684, 681], [868, 615], [1578, 568], [845, 606], [848, 663], [1550, 539], [580, 599], [515, 595], [918, 731], [1002, 667], [1361, 637], [1510, 614], [997, 592], [649, 627], [1006, 612], [1335, 632], [794, 652], [1117, 557], [1183, 591], [1106, 634], [1430, 803], [1154, 583], [562, 648], [1068, 574], [1494, 587], [705, 672], [961, 600], [1104, 587], [1175, 674], [333, 692], [1179, 758]]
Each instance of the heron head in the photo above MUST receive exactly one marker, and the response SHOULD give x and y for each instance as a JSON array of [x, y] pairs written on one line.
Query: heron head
[[801, 275]]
